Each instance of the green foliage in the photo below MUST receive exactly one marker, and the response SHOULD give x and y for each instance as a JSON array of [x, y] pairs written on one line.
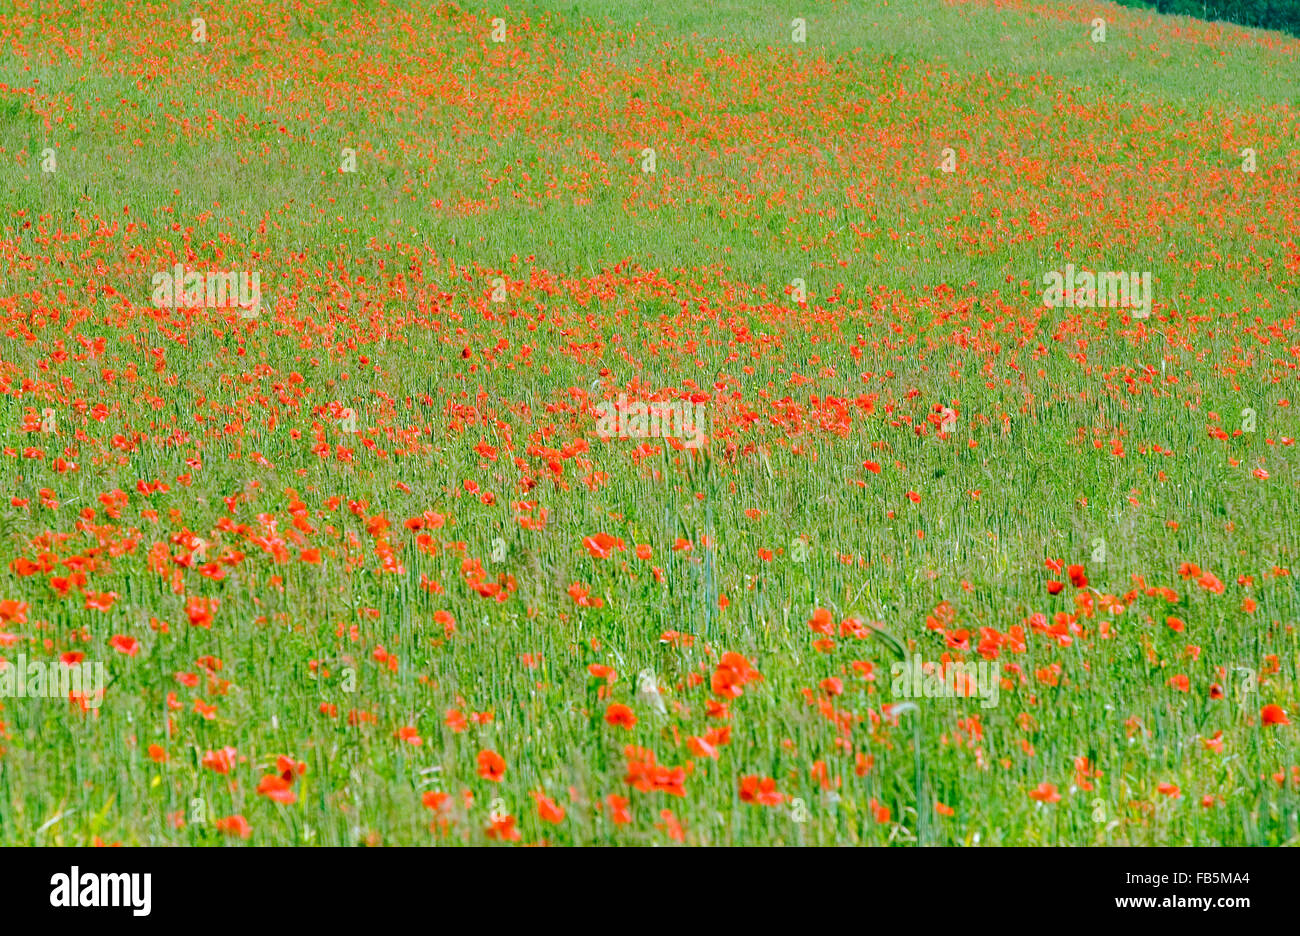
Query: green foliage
[[1280, 15]]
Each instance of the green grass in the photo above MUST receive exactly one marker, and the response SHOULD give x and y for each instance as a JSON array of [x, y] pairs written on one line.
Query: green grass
[[775, 162]]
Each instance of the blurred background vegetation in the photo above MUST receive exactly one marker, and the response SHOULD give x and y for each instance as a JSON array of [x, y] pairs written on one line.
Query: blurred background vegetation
[[1283, 15]]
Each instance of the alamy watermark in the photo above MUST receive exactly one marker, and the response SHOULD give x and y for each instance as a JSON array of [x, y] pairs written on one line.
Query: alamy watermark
[[1079, 289], [921, 679], [33, 679], [103, 889], [178, 289], [677, 419]]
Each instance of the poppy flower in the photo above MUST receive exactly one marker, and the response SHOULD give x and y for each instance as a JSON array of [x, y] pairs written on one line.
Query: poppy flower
[[201, 611], [100, 602], [822, 622], [221, 761], [276, 788], [503, 829], [234, 825], [124, 644], [289, 768], [581, 594], [761, 791], [435, 800], [619, 813], [732, 673], [620, 715], [1273, 715], [601, 545], [548, 809], [671, 826], [700, 747], [491, 766], [1045, 793]]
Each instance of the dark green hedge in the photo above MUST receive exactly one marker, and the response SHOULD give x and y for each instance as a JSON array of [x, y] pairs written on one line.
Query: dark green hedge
[[1282, 15]]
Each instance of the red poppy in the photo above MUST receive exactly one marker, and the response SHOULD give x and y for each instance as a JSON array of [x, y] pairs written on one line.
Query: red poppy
[[548, 809], [100, 602], [234, 825], [619, 813], [124, 644], [602, 545], [503, 829], [1045, 793], [761, 791], [620, 715], [274, 787], [491, 766], [1273, 715]]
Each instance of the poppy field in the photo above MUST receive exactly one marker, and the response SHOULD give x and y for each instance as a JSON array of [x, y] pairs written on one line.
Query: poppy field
[[819, 423]]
